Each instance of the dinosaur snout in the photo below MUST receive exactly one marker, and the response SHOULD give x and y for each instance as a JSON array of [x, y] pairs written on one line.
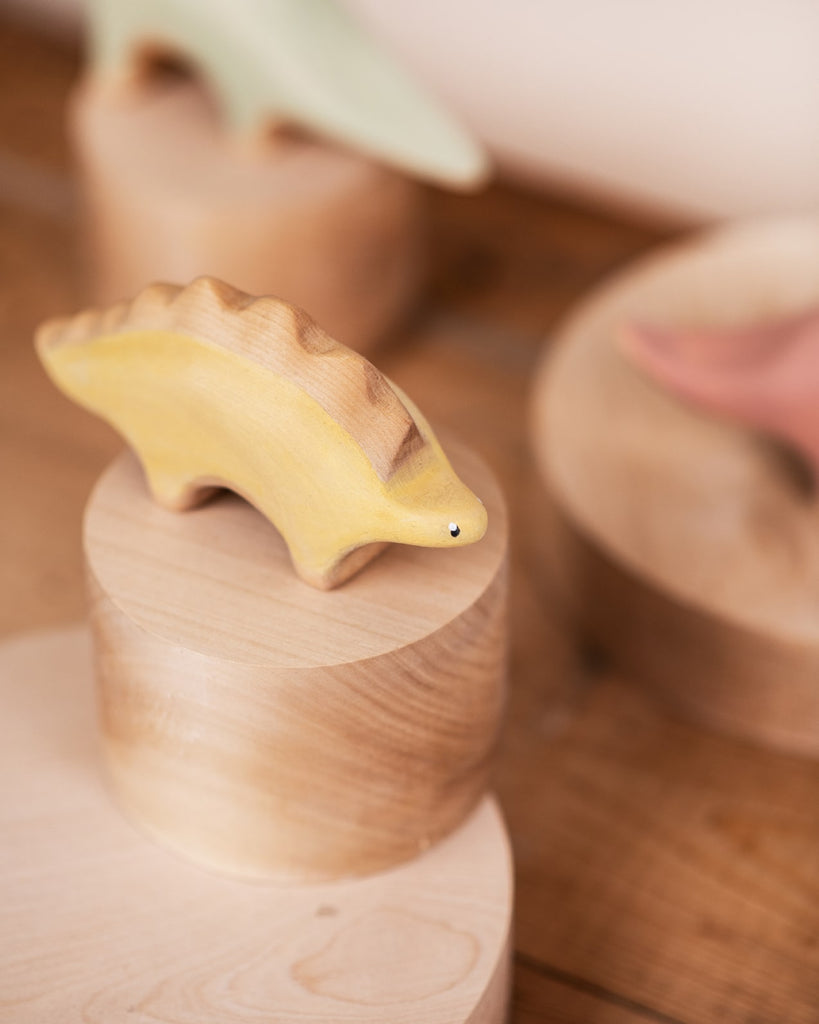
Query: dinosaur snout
[[467, 524]]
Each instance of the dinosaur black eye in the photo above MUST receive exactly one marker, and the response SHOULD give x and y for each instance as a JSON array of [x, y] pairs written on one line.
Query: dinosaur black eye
[[454, 529]]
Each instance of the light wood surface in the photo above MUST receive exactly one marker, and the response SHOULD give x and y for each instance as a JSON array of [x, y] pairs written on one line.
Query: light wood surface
[[213, 387], [101, 925], [167, 198], [664, 872], [273, 730], [689, 546]]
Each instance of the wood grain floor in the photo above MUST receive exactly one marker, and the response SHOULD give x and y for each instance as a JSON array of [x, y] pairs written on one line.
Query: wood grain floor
[[664, 874]]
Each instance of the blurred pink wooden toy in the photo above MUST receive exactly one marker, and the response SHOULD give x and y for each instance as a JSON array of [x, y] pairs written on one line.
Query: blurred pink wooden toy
[[765, 376], [677, 538]]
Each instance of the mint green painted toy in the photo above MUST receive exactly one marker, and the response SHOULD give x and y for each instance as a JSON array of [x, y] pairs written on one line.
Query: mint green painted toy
[[291, 62]]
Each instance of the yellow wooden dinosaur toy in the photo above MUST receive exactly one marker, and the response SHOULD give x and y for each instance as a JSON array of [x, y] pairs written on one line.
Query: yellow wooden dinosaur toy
[[214, 388]]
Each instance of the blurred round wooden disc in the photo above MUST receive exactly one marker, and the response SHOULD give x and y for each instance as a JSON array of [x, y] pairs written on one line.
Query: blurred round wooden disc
[[101, 924], [686, 545]]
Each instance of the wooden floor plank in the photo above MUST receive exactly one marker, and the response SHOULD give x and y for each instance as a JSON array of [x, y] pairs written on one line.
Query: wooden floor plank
[[515, 261], [543, 995], [658, 861], [35, 76]]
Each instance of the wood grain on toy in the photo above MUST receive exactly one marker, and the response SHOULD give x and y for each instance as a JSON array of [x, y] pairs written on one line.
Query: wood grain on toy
[[166, 198], [213, 387], [690, 546], [273, 730], [427, 943], [294, 62]]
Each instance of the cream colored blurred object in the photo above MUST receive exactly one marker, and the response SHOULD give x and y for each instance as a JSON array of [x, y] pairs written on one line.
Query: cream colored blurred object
[[702, 109]]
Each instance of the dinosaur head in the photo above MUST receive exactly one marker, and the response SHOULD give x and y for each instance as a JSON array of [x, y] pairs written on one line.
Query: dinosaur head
[[436, 509]]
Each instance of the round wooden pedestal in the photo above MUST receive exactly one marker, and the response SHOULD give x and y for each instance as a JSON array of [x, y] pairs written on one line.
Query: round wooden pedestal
[[687, 546], [273, 730], [102, 926], [169, 196]]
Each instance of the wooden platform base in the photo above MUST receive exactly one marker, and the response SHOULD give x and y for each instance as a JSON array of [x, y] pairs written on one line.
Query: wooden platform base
[[169, 197], [685, 545], [273, 730], [100, 924]]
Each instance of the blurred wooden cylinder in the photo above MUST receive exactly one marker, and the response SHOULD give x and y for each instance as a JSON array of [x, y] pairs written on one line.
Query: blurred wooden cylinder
[[169, 195], [685, 545], [273, 730]]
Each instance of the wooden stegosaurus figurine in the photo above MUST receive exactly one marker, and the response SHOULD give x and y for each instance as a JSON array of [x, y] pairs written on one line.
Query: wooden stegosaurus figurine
[[213, 388]]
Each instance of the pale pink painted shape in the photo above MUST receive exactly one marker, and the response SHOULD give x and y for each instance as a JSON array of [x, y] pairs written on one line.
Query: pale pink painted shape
[[766, 376]]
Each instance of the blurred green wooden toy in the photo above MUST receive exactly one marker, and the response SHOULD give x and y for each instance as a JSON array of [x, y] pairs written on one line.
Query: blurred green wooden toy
[[297, 62]]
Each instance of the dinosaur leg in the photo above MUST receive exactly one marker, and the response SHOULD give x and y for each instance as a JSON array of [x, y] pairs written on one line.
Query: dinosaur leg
[[337, 570], [176, 487]]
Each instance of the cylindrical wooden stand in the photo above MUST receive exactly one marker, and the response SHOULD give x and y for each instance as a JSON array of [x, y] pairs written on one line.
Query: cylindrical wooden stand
[[687, 546], [169, 195], [101, 925], [273, 730]]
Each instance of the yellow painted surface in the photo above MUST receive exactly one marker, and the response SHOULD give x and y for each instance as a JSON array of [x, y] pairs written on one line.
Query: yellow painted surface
[[198, 414]]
